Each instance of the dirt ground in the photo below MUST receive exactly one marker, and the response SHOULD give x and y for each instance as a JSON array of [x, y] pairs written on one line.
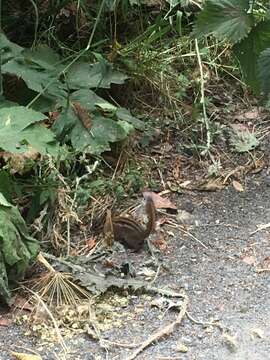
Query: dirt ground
[[222, 283]]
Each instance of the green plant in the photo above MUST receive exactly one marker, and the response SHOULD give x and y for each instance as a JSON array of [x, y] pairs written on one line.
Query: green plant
[[246, 25], [40, 69], [17, 248]]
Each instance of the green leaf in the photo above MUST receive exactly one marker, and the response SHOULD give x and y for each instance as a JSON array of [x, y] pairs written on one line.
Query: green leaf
[[19, 131], [35, 78], [3, 201], [106, 106], [225, 19], [264, 70], [128, 128], [104, 130], [6, 103], [43, 56], [8, 49], [99, 75], [88, 99], [125, 115], [37, 70], [17, 249], [96, 140], [248, 52], [6, 185]]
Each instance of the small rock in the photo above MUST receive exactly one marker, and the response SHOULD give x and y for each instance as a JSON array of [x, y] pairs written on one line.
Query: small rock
[[181, 348], [257, 333], [230, 342]]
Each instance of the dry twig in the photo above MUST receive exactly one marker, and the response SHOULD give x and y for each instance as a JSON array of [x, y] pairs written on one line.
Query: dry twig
[[167, 330]]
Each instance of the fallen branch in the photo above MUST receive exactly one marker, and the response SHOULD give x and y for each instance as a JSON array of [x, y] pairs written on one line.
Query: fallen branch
[[170, 223], [122, 345], [259, 270], [203, 323], [167, 330], [260, 228]]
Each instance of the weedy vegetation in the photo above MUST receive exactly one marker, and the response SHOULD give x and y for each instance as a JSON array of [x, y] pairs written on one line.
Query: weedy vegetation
[[91, 95]]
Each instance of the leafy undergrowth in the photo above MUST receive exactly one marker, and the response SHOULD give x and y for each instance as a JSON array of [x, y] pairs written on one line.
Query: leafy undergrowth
[[85, 131], [96, 279]]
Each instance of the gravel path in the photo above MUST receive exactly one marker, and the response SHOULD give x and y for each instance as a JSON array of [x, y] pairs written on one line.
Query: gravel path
[[221, 282]]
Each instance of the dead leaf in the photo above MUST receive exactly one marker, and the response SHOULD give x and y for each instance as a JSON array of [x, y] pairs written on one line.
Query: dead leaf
[[185, 184], [160, 202], [237, 186], [83, 115], [53, 115], [90, 243], [259, 166], [5, 321], [211, 185], [22, 303], [265, 265], [177, 167], [23, 356], [249, 259], [109, 264], [239, 127], [18, 162], [253, 114], [161, 221], [160, 243], [40, 315], [266, 262]]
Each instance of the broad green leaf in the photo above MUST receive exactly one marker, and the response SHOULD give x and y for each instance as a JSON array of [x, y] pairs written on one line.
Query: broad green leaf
[[6, 103], [6, 185], [19, 131], [35, 76], [125, 115], [225, 19], [106, 106], [88, 99], [43, 56], [264, 70], [63, 125], [17, 249], [3, 201], [128, 128], [249, 50], [8, 49], [99, 75], [18, 118], [96, 140]]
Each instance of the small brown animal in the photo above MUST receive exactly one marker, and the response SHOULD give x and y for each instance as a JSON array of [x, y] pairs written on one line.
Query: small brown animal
[[128, 231]]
